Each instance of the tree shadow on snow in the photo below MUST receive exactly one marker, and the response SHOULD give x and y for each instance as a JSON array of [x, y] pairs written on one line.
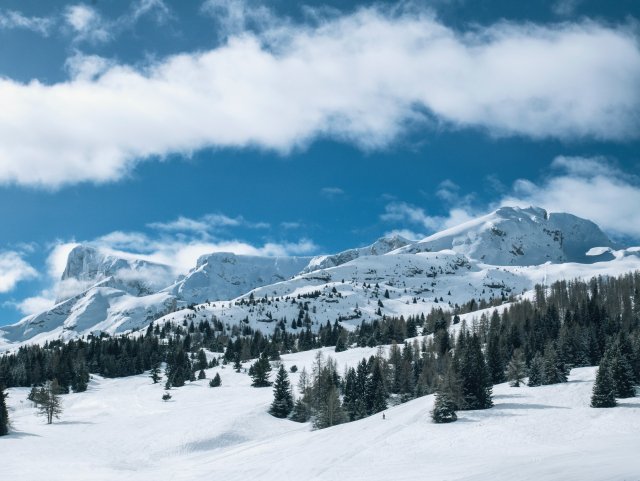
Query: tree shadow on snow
[[507, 396], [22, 434], [527, 406], [73, 422], [628, 405]]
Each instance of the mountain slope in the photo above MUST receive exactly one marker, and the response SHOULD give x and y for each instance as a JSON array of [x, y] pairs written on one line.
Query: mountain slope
[[88, 266], [382, 246], [503, 253], [515, 236], [223, 275], [118, 430]]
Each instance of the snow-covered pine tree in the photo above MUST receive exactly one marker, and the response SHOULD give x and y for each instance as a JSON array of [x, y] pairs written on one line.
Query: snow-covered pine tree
[[604, 389], [444, 409], [282, 404], [516, 370]]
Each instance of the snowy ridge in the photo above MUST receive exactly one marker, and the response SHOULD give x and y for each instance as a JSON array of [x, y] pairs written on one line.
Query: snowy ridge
[[501, 254], [521, 237], [382, 246], [224, 275]]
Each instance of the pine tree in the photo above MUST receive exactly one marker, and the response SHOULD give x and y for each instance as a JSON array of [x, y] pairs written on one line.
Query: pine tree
[[301, 412], [444, 409], [260, 372], [4, 413], [48, 401], [604, 390], [475, 376], [155, 374], [553, 370], [330, 411], [622, 373], [202, 375], [282, 398], [376, 397], [216, 381], [516, 370], [535, 371]]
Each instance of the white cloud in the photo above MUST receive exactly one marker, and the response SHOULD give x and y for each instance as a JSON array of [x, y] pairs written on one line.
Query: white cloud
[[234, 17], [593, 188], [331, 192], [10, 19], [14, 269], [206, 224], [402, 212], [406, 233], [34, 305], [87, 23], [364, 78]]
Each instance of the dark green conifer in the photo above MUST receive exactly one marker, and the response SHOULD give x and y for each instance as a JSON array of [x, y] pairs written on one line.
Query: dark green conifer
[[282, 398], [604, 390]]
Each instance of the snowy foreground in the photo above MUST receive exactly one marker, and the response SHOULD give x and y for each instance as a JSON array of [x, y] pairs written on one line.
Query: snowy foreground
[[120, 429]]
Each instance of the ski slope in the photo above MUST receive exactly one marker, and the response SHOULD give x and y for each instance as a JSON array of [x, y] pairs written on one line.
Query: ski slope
[[120, 429]]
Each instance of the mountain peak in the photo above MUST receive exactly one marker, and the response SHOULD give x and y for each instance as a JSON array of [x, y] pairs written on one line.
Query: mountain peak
[[519, 236]]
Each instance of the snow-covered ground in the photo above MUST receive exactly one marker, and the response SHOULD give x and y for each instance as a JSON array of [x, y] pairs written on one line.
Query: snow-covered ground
[[120, 429]]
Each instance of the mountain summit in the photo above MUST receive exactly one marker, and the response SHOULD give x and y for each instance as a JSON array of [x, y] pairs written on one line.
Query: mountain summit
[[519, 237]]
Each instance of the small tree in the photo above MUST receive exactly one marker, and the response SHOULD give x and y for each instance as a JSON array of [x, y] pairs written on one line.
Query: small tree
[[216, 381], [166, 396], [4, 413], [516, 370], [202, 375], [48, 401], [604, 389], [444, 409], [155, 374], [260, 372], [282, 398]]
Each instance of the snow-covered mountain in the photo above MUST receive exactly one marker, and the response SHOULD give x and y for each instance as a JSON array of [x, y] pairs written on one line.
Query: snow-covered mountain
[[88, 266], [382, 246], [503, 253], [223, 275], [512, 236]]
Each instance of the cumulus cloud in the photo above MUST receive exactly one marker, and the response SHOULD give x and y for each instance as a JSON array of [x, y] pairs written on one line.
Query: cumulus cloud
[[593, 188], [87, 23], [366, 78], [34, 305], [403, 212], [14, 269]]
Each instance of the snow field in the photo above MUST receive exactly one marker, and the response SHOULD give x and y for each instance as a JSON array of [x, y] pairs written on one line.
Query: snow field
[[120, 429]]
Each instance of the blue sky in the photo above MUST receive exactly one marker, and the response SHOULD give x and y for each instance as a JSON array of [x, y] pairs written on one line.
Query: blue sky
[[171, 129]]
